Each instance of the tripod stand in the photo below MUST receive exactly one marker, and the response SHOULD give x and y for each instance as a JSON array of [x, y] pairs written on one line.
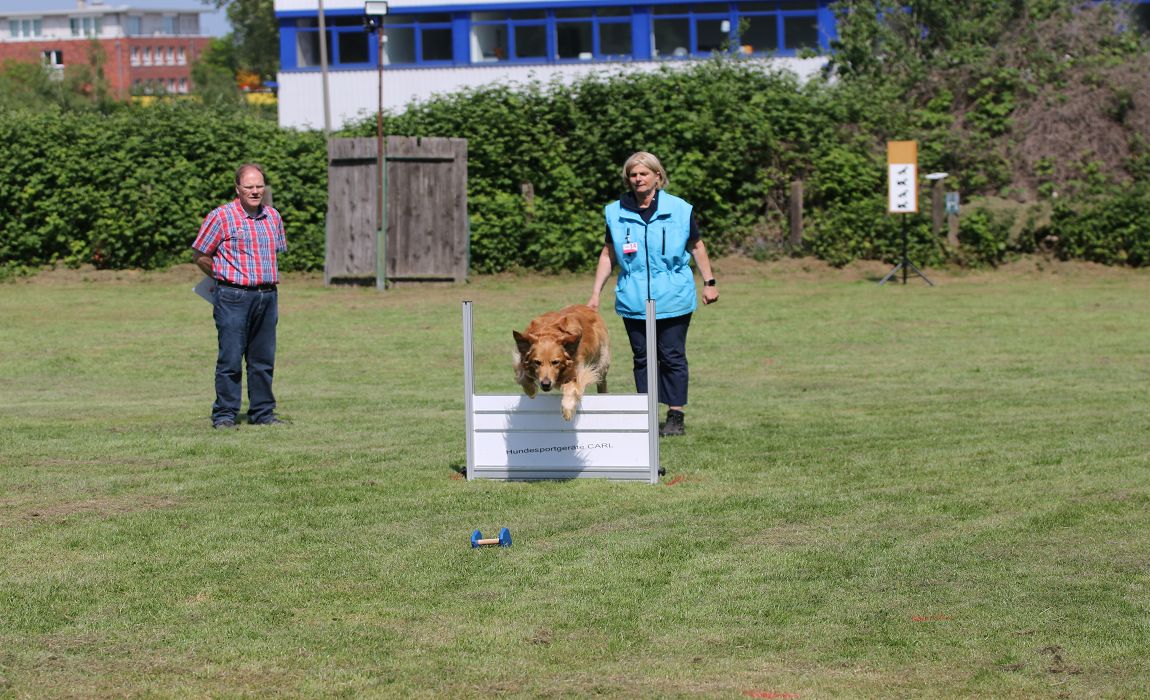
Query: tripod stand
[[905, 264]]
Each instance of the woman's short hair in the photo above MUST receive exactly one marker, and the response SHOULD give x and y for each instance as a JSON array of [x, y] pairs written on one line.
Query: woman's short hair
[[249, 166], [649, 161]]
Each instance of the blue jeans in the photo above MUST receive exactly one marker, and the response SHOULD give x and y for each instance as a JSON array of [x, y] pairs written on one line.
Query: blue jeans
[[671, 347], [246, 327]]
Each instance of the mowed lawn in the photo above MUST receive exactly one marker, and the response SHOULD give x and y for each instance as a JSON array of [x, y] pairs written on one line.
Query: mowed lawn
[[883, 492]]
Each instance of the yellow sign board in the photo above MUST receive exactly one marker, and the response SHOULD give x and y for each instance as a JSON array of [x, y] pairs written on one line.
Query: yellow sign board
[[902, 174]]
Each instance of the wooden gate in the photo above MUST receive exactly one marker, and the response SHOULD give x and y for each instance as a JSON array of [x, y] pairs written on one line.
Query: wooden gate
[[425, 197]]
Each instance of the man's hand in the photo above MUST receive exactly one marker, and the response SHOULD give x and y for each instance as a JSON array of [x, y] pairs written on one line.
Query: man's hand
[[204, 262]]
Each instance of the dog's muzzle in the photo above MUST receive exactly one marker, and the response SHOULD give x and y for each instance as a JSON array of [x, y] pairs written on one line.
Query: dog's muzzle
[[545, 386]]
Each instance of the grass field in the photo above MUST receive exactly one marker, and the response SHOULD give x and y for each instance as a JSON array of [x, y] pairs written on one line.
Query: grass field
[[883, 492]]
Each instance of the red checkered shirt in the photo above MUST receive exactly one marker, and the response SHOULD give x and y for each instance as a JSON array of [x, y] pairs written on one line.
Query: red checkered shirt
[[243, 247]]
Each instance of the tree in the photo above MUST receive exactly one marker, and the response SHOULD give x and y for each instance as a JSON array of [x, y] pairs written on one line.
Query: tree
[[214, 74], [80, 86], [998, 91], [255, 34]]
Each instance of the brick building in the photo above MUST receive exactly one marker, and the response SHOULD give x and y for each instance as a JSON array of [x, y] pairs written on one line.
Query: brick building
[[145, 51]]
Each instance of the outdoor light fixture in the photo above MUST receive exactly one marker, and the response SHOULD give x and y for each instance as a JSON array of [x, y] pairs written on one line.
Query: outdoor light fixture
[[373, 13], [936, 176]]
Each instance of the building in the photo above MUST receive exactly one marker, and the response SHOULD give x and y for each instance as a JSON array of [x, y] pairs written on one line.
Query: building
[[436, 46], [144, 51]]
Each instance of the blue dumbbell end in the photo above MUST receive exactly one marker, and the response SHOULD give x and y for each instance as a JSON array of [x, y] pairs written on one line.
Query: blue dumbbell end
[[504, 538], [475, 537]]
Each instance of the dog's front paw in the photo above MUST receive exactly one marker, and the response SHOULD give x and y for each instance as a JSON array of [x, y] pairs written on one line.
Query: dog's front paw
[[568, 413]]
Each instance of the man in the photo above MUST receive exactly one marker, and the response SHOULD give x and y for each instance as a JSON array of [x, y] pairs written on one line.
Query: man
[[237, 247]]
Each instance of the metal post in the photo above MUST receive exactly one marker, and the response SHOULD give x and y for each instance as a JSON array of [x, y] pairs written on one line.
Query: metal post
[[374, 12], [905, 258], [323, 70], [469, 388], [652, 393], [381, 176]]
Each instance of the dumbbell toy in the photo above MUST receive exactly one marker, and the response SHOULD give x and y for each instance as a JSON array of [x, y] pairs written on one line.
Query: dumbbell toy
[[504, 539]]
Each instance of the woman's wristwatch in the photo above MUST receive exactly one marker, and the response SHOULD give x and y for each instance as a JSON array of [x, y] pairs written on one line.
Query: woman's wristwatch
[[711, 282]]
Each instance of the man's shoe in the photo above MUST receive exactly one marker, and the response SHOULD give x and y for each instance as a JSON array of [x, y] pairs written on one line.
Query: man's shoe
[[674, 424], [225, 424], [272, 421]]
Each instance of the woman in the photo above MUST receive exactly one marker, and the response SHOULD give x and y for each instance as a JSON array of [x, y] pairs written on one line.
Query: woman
[[653, 235]]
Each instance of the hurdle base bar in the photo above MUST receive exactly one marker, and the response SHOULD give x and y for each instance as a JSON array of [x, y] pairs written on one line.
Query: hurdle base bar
[[558, 472]]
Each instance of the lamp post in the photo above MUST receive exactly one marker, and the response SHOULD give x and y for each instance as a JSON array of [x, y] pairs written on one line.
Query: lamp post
[[323, 71], [374, 12]]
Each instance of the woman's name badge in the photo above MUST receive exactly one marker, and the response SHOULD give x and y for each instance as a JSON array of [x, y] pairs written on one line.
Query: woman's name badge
[[629, 248]]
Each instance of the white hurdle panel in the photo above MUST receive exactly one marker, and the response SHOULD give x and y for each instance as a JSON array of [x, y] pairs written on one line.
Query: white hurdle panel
[[513, 437]]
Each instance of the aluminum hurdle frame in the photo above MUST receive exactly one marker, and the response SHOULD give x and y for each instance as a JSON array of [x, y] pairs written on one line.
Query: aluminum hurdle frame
[[514, 438]]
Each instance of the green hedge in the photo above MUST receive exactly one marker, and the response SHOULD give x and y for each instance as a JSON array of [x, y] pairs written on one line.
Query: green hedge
[[130, 188], [1112, 228], [732, 136]]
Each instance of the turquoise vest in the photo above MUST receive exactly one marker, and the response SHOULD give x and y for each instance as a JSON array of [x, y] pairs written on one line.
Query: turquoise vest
[[660, 267]]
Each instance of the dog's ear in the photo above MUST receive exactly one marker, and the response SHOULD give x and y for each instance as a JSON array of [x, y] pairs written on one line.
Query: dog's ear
[[571, 344], [523, 342]]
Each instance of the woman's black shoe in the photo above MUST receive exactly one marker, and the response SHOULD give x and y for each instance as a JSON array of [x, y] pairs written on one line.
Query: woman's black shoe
[[674, 424]]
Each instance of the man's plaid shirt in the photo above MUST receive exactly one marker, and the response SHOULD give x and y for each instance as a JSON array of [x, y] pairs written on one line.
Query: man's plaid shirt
[[243, 247]]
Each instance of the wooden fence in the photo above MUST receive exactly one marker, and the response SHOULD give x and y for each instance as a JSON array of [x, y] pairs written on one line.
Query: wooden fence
[[422, 196]]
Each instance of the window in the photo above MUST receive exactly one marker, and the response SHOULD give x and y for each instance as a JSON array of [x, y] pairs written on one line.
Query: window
[[134, 58], [148, 56], [417, 39], [686, 30], [181, 57], [171, 56], [671, 31], [614, 32], [564, 32], [503, 36], [353, 47], [779, 26], [770, 27], [133, 25], [86, 26], [53, 60], [347, 41], [583, 33], [307, 49], [183, 86], [24, 28], [169, 25]]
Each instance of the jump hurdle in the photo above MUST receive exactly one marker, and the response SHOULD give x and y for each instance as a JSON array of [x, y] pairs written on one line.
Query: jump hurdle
[[513, 438]]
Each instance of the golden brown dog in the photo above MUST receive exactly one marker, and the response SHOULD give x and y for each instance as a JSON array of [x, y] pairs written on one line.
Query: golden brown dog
[[566, 349]]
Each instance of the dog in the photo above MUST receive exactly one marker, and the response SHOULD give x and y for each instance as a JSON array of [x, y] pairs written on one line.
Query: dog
[[567, 349]]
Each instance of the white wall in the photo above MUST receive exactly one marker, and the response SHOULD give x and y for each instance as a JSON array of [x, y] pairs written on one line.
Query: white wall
[[356, 93]]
